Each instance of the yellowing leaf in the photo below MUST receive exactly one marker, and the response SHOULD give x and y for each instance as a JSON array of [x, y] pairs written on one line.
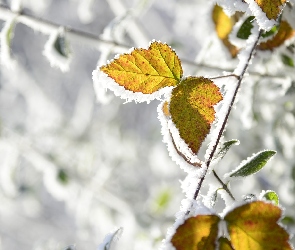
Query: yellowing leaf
[[166, 109], [284, 33], [197, 233], [254, 226], [223, 27], [146, 70], [192, 111], [272, 8], [224, 244]]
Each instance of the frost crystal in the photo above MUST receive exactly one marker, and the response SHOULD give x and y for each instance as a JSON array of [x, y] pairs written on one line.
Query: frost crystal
[[50, 51], [102, 81], [262, 20]]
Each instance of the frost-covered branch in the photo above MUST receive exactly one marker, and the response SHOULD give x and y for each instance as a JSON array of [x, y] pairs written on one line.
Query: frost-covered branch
[[47, 27], [240, 71]]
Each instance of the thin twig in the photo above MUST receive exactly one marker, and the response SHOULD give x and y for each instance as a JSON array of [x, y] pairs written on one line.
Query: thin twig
[[47, 27], [208, 162], [225, 76], [195, 164], [224, 186]]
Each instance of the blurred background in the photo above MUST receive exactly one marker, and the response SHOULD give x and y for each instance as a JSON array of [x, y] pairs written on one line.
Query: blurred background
[[73, 167]]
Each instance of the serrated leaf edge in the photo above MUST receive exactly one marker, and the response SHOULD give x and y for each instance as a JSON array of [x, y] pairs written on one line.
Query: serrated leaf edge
[[104, 81], [168, 129]]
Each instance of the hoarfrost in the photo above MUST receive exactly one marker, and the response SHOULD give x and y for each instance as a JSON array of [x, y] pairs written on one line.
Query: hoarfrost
[[243, 163], [104, 82], [172, 139], [231, 6], [244, 55], [229, 86], [51, 53], [198, 209], [110, 239], [262, 20]]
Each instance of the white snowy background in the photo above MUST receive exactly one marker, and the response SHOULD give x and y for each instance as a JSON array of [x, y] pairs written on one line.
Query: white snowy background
[[74, 168]]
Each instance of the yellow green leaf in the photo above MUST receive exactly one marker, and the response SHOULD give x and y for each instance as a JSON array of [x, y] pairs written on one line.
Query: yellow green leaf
[[224, 244], [284, 33], [254, 226], [272, 8], [197, 233], [223, 26], [146, 70], [192, 111]]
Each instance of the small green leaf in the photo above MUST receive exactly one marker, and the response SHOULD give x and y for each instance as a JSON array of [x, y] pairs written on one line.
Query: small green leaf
[[162, 200], [288, 220], [271, 196], [63, 176], [10, 33], [285, 32], [287, 60], [225, 147], [245, 29], [62, 47], [253, 164], [271, 32]]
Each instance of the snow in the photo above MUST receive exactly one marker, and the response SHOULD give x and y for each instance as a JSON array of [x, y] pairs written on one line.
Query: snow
[[243, 56], [231, 6]]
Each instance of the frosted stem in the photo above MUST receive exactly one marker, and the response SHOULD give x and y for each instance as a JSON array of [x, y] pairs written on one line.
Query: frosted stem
[[224, 186], [224, 122], [47, 27]]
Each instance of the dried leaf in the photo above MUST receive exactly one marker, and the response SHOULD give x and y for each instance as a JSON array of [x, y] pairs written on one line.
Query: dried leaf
[[192, 111], [284, 33], [197, 233]]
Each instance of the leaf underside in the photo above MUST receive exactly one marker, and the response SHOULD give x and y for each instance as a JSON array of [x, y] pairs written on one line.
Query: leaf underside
[[146, 70], [254, 226], [197, 233], [192, 111]]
